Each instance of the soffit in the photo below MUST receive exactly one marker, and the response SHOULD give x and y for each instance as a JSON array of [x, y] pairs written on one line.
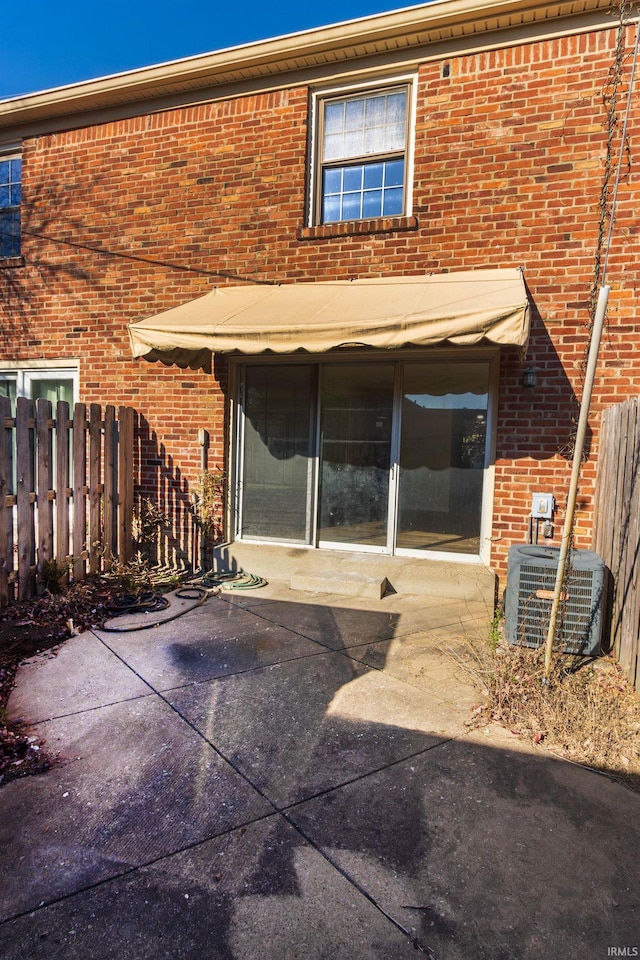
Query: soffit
[[387, 35]]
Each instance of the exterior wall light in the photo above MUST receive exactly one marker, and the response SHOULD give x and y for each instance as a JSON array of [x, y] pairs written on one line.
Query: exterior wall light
[[528, 377]]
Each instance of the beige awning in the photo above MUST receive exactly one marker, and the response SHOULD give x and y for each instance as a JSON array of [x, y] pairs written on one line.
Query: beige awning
[[387, 313]]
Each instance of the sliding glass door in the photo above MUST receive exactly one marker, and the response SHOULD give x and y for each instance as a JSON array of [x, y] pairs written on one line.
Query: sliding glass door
[[442, 456], [356, 416], [388, 456], [275, 493]]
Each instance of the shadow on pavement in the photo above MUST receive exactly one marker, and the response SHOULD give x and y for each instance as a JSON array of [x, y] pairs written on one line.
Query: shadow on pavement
[[283, 798]]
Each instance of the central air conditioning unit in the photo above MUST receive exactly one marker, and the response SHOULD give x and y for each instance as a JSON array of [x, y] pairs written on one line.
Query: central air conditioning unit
[[531, 580]]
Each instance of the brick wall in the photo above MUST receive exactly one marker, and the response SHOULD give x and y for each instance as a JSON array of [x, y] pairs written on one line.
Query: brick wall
[[125, 219]]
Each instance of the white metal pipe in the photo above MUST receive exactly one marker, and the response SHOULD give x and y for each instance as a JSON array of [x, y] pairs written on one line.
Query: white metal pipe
[[594, 349]]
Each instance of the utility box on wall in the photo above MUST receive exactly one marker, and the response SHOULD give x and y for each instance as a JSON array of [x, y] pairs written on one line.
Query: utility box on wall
[[531, 578]]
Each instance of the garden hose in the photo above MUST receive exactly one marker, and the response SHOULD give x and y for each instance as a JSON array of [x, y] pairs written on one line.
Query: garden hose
[[233, 580], [151, 603]]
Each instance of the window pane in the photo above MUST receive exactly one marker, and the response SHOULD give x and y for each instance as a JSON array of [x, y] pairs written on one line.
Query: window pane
[[8, 388], [373, 175], [333, 180], [51, 389], [9, 233], [394, 173], [393, 202], [352, 178], [372, 203], [354, 114], [333, 146], [334, 118], [354, 143], [10, 196], [369, 124], [351, 206], [376, 108], [356, 416], [330, 209], [396, 107]]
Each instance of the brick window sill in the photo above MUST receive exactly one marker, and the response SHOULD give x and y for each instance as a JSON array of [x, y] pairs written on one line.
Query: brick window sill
[[10, 263], [354, 228]]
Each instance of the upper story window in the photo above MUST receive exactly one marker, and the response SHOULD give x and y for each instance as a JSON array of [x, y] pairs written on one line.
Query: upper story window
[[10, 197], [362, 154]]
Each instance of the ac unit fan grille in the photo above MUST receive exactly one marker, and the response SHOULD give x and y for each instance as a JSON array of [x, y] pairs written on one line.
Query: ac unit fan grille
[[530, 588]]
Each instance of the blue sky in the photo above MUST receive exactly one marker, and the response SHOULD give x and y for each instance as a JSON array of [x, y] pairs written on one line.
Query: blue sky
[[48, 44]]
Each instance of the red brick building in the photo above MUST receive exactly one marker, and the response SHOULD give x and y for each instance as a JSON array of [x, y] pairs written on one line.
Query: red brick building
[[451, 137]]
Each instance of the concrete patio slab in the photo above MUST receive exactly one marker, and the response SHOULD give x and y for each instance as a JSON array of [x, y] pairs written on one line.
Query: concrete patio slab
[[79, 675], [339, 622], [289, 797], [260, 891], [134, 783], [436, 661], [491, 851], [313, 724], [215, 640]]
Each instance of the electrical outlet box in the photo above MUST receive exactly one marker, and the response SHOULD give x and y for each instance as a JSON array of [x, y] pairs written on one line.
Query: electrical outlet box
[[542, 506]]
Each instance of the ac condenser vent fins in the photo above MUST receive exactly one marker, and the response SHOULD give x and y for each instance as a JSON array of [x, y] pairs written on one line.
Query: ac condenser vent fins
[[531, 578]]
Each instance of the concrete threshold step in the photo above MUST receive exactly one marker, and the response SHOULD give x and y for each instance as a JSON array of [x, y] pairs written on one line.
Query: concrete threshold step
[[348, 583], [355, 573]]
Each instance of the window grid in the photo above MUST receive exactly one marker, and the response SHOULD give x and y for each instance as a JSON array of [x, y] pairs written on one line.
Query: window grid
[[363, 191], [10, 199], [362, 147]]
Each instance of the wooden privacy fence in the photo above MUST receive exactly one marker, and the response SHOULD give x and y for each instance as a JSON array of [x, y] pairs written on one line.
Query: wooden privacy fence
[[617, 527], [66, 491]]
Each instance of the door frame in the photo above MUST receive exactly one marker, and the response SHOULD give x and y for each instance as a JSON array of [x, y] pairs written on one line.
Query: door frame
[[491, 355]]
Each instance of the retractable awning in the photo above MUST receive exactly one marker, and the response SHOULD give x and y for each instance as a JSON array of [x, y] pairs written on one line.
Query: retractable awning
[[385, 313]]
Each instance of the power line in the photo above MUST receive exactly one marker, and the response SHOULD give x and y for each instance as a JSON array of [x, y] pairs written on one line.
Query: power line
[[226, 274]]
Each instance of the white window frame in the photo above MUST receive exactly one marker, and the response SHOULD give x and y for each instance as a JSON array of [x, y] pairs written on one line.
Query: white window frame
[[362, 88], [22, 372]]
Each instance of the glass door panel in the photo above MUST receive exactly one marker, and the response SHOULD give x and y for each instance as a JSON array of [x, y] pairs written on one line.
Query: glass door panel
[[277, 452], [442, 456], [356, 414]]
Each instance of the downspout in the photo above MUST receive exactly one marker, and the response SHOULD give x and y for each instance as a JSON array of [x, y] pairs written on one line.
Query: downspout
[[594, 349]]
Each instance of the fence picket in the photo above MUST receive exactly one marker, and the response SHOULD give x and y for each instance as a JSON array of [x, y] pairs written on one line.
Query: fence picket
[[44, 489], [6, 491], [110, 486], [79, 491], [95, 487], [125, 483], [47, 510], [25, 425], [63, 491], [617, 526]]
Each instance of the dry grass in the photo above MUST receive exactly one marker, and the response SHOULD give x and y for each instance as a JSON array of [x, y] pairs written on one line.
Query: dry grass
[[588, 712]]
